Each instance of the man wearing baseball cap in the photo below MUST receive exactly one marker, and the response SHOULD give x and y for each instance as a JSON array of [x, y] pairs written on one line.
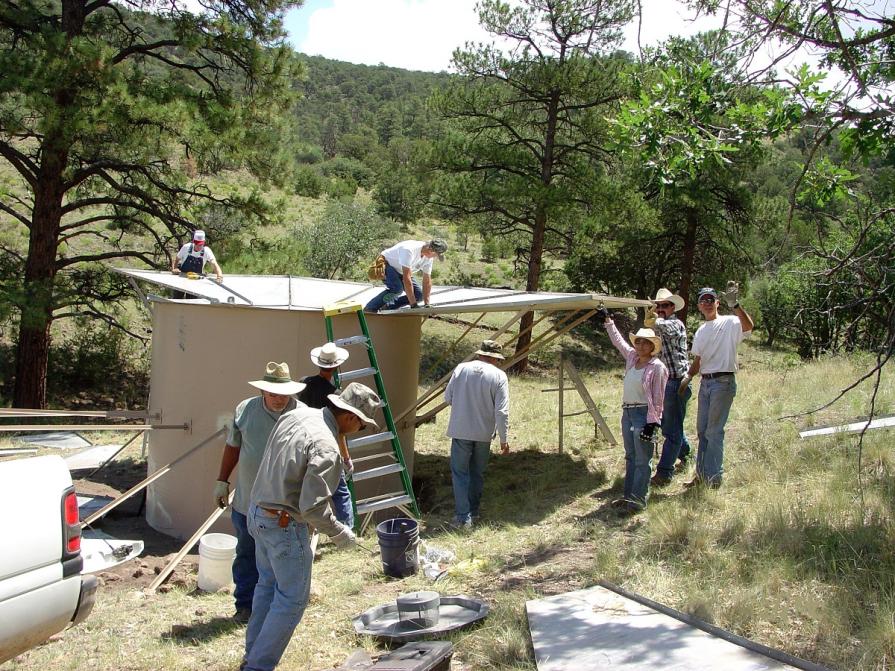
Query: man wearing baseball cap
[[715, 359], [193, 256], [252, 423], [296, 479], [400, 262]]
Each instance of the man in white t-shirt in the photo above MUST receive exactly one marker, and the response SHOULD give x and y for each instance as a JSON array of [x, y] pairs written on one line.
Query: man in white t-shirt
[[715, 359], [401, 261], [192, 257]]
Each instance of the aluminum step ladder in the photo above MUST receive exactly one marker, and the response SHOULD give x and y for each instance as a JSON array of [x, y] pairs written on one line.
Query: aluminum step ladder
[[393, 458]]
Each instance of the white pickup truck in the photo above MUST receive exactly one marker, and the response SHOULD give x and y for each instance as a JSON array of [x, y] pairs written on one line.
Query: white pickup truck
[[42, 590]]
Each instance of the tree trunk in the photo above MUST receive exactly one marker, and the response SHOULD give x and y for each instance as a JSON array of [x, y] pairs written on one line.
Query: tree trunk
[[36, 308], [533, 281], [688, 263]]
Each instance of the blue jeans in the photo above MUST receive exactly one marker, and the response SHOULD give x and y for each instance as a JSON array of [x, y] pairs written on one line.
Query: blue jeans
[[342, 503], [676, 446], [469, 459], [638, 455], [715, 398], [394, 283], [284, 559], [245, 572]]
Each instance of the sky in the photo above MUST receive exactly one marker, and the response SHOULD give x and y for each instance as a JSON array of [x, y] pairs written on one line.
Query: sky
[[422, 34]]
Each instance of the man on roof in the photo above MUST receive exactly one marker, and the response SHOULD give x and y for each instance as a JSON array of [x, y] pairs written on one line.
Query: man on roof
[[399, 263], [193, 256]]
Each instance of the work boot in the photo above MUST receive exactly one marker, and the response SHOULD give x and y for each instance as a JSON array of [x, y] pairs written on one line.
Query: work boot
[[659, 481], [695, 482], [242, 615], [619, 503]]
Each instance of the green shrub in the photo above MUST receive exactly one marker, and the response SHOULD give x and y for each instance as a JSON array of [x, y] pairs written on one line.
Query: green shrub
[[348, 169], [308, 182], [341, 189]]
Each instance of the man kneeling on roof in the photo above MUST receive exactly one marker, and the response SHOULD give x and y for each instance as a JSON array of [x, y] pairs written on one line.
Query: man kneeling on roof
[[398, 264], [299, 471]]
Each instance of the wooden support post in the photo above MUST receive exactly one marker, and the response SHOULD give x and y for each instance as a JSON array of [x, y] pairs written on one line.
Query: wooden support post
[[432, 391], [175, 560], [562, 394], [589, 402], [143, 484], [540, 341], [453, 345]]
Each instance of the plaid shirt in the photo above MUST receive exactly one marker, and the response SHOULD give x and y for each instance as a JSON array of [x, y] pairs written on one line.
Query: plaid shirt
[[674, 346]]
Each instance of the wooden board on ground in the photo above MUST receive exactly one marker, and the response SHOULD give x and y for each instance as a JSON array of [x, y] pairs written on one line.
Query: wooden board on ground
[[597, 628]]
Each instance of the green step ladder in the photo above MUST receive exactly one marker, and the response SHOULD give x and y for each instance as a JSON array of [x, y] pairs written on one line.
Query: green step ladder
[[403, 500]]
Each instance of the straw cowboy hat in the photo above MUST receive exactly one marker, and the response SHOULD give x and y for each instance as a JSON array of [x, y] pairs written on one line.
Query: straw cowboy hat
[[649, 334], [359, 400], [491, 349], [329, 356], [663, 296], [276, 380]]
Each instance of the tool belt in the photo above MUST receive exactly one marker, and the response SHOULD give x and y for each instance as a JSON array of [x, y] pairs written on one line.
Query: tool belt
[[376, 271], [282, 516]]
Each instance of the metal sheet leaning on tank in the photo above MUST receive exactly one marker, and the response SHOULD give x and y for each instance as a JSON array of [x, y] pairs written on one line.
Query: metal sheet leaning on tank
[[454, 612]]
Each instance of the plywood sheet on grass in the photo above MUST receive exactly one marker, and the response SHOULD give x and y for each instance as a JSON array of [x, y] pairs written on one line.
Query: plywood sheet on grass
[[596, 628]]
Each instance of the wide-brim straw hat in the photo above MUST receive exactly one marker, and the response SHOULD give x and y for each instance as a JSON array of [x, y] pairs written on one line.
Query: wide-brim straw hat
[[276, 380], [329, 355], [649, 334], [664, 295], [358, 399]]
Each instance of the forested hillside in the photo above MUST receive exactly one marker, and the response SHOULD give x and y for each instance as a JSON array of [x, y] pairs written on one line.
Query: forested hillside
[[569, 165]]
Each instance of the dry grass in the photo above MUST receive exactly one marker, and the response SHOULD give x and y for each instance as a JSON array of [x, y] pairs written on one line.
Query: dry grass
[[785, 553]]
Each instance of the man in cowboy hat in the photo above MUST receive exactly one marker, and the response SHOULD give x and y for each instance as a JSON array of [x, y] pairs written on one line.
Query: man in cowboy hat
[[479, 395], [298, 473], [253, 421], [715, 359], [401, 261], [318, 387], [192, 257], [662, 319]]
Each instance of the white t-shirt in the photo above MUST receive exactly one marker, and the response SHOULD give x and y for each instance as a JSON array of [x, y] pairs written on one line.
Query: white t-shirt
[[408, 254], [185, 250], [632, 391], [715, 343]]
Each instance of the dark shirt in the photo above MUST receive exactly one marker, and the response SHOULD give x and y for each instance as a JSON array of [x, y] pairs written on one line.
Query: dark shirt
[[314, 395]]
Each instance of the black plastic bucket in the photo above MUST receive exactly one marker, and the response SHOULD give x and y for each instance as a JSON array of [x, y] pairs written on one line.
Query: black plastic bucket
[[399, 546]]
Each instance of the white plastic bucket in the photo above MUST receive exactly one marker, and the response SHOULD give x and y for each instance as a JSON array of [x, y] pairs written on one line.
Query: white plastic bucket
[[216, 553]]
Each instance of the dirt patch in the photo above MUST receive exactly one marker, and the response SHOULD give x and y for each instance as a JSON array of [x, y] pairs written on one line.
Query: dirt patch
[[128, 522]]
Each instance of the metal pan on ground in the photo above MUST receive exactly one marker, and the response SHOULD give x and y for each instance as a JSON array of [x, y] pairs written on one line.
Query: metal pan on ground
[[454, 612]]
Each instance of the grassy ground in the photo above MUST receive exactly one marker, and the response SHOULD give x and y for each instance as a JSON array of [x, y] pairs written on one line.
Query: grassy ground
[[795, 551]]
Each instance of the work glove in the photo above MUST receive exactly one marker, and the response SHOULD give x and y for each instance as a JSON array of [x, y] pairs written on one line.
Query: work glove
[[222, 493], [345, 538], [682, 388], [602, 315], [732, 294], [415, 306], [648, 431], [649, 317], [347, 468]]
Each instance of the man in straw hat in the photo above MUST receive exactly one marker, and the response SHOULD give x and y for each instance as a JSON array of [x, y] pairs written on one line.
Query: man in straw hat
[[253, 421], [479, 395], [401, 261], [328, 357], [715, 359], [662, 319], [643, 392], [297, 476]]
